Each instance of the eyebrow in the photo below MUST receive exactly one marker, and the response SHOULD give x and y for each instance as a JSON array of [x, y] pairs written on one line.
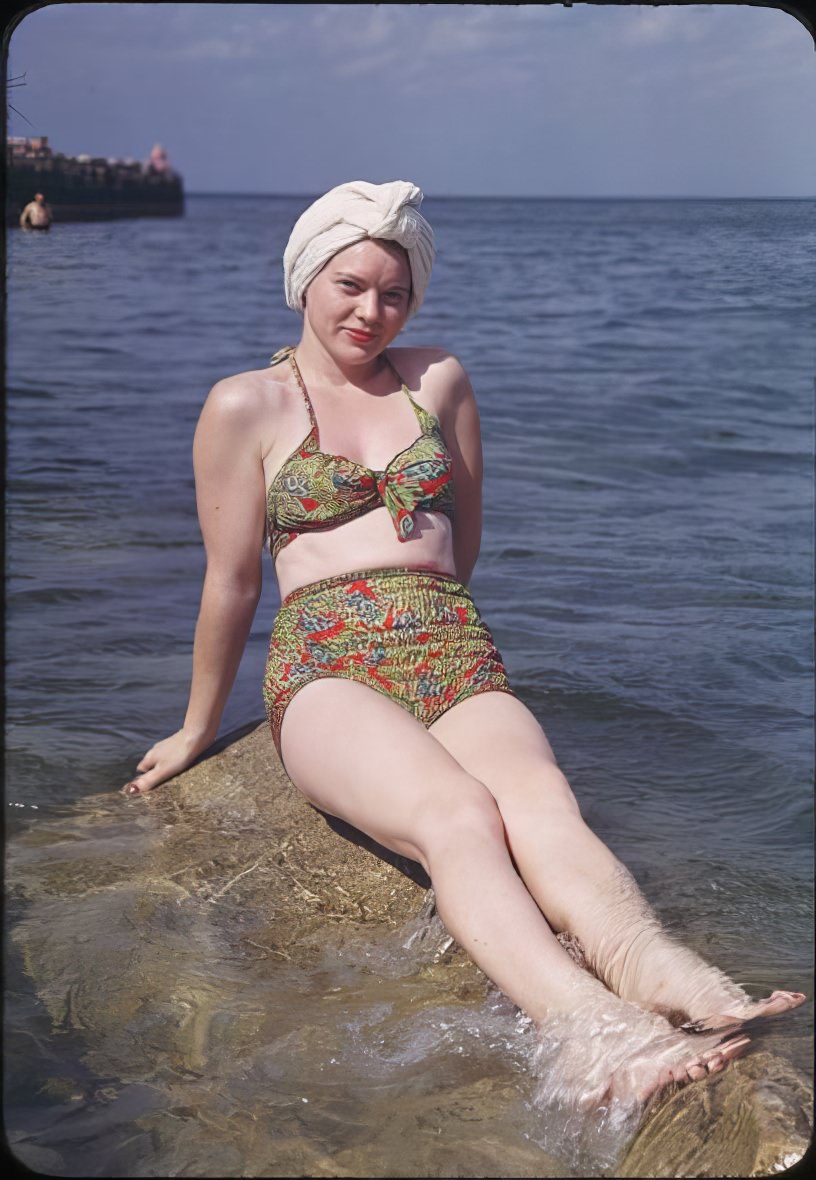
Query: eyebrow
[[346, 274]]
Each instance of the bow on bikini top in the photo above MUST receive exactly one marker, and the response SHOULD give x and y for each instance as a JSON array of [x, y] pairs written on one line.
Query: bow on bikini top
[[314, 490]]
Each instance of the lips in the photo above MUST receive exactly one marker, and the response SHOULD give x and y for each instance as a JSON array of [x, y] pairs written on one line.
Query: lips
[[360, 337]]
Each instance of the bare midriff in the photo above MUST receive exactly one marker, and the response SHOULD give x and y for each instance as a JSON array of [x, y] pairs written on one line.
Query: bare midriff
[[366, 543]]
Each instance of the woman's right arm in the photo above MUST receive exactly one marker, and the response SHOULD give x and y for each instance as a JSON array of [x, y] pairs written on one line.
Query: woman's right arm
[[231, 507]]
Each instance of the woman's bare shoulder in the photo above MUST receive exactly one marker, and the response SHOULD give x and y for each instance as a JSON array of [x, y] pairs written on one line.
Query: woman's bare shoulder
[[421, 357], [246, 396], [434, 370]]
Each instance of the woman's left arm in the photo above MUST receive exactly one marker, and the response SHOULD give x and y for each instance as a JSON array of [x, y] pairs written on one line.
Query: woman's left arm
[[460, 425]]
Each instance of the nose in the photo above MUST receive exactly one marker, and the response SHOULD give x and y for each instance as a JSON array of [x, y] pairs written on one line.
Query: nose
[[368, 305]]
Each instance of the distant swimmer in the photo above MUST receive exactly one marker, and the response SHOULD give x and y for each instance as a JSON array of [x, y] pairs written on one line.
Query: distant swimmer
[[158, 163], [36, 215]]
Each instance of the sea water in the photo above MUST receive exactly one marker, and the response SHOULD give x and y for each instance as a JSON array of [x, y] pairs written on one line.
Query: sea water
[[644, 371]]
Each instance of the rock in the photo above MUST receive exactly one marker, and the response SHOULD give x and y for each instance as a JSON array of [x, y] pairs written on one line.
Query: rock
[[753, 1119], [228, 859], [230, 839], [229, 982]]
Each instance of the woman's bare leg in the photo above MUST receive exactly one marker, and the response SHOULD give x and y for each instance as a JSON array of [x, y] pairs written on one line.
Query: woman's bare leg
[[359, 756], [576, 880]]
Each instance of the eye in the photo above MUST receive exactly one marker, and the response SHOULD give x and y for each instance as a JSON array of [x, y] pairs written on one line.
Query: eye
[[347, 283]]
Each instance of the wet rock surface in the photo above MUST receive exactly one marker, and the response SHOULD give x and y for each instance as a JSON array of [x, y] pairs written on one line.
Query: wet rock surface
[[227, 982], [753, 1119]]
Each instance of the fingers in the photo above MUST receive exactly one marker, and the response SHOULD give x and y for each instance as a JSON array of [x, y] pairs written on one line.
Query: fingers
[[141, 785], [162, 761], [144, 781], [154, 772]]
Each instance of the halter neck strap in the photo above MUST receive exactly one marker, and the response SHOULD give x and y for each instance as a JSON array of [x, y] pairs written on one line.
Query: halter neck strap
[[288, 353], [302, 386]]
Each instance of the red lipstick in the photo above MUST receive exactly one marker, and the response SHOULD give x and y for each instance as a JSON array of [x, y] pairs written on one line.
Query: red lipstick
[[360, 337]]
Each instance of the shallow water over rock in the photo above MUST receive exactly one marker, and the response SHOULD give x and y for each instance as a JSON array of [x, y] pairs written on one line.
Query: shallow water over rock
[[215, 980]]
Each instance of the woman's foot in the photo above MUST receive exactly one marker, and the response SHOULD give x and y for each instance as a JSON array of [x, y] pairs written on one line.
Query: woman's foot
[[643, 964], [775, 1003], [658, 1066], [665, 977], [617, 1052]]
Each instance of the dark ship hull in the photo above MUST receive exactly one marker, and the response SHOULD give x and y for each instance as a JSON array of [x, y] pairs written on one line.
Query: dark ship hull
[[85, 189]]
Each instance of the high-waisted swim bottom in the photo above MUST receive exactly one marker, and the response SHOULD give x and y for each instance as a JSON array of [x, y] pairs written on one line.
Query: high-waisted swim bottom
[[414, 635]]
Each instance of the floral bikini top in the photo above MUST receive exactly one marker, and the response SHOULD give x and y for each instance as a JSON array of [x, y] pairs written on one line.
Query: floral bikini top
[[314, 490]]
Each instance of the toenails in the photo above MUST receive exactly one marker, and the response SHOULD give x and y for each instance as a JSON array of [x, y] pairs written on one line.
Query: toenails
[[734, 1047], [776, 1003]]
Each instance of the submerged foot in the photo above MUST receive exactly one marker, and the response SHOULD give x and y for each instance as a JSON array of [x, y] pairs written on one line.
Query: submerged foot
[[656, 1067], [619, 1053], [738, 1014], [642, 963]]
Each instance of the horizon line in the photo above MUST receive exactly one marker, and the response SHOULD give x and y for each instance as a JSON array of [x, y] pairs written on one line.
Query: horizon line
[[528, 196]]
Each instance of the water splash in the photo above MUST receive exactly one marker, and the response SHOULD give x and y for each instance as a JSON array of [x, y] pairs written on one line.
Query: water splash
[[425, 937], [602, 1067], [574, 1057], [395, 954]]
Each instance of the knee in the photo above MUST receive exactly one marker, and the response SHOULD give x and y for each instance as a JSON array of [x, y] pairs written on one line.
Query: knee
[[534, 787], [472, 816], [552, 783]]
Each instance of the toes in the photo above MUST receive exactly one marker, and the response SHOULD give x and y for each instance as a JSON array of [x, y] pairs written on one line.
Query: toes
[[658, 1065], [721, 1054], [734, 1047], [780, 1002], [777, 1002], [714, 1059], [696, 1071]]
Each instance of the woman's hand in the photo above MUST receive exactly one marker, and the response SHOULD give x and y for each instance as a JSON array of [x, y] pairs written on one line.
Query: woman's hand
[[165, 760]]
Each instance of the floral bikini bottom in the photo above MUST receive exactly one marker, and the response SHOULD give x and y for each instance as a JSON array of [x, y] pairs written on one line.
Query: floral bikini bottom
[[414, 635]]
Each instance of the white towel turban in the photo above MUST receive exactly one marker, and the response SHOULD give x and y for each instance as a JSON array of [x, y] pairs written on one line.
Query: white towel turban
[[351, 213]]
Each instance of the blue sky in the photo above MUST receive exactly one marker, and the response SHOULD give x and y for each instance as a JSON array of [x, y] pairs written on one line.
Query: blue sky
[[699, 100]]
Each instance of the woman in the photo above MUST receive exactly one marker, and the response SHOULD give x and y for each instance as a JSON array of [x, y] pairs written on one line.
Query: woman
[[388, 701]]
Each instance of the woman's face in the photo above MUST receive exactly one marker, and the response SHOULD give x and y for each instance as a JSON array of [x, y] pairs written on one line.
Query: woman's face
[[359, 301]]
